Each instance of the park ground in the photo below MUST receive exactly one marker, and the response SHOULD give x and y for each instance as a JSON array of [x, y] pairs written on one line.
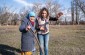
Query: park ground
[[64, 40]]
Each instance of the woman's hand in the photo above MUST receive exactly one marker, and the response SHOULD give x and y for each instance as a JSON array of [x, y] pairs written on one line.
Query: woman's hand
[[28, 27], [59, 14], [42, 28]]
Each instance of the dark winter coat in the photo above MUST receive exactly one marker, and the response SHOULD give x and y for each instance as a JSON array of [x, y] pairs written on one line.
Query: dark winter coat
[[27, 38]]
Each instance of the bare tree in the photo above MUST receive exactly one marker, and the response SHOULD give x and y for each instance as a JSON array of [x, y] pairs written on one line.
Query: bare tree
[[4, 15], [54, 9], [14, 19], [72, 11], [36, 7], [81, 4], [77, 6]]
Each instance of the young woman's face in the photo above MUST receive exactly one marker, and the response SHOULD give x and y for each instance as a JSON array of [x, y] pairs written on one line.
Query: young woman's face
[[44, 14], [32, 19]]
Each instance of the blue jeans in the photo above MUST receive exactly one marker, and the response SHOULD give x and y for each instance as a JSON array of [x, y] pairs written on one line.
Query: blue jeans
[[44, 40]]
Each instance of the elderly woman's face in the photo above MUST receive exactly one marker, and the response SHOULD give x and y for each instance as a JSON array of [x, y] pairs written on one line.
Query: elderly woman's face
[[44, 14], [32, 19]]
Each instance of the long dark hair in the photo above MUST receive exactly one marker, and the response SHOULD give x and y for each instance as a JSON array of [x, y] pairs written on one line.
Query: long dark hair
[[43, 9]]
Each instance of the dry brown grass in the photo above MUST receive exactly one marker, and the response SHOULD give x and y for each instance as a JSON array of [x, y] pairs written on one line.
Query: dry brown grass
[[64, 40], [67, 40]]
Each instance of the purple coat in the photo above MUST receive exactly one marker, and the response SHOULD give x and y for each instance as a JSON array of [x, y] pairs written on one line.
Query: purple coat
[[27, 38]]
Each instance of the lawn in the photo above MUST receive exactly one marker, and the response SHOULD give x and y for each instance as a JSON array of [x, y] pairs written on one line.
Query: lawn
[[64, 40]]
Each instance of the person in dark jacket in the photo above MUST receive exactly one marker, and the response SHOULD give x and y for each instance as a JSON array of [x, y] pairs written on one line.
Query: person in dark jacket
[[27, 38]]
